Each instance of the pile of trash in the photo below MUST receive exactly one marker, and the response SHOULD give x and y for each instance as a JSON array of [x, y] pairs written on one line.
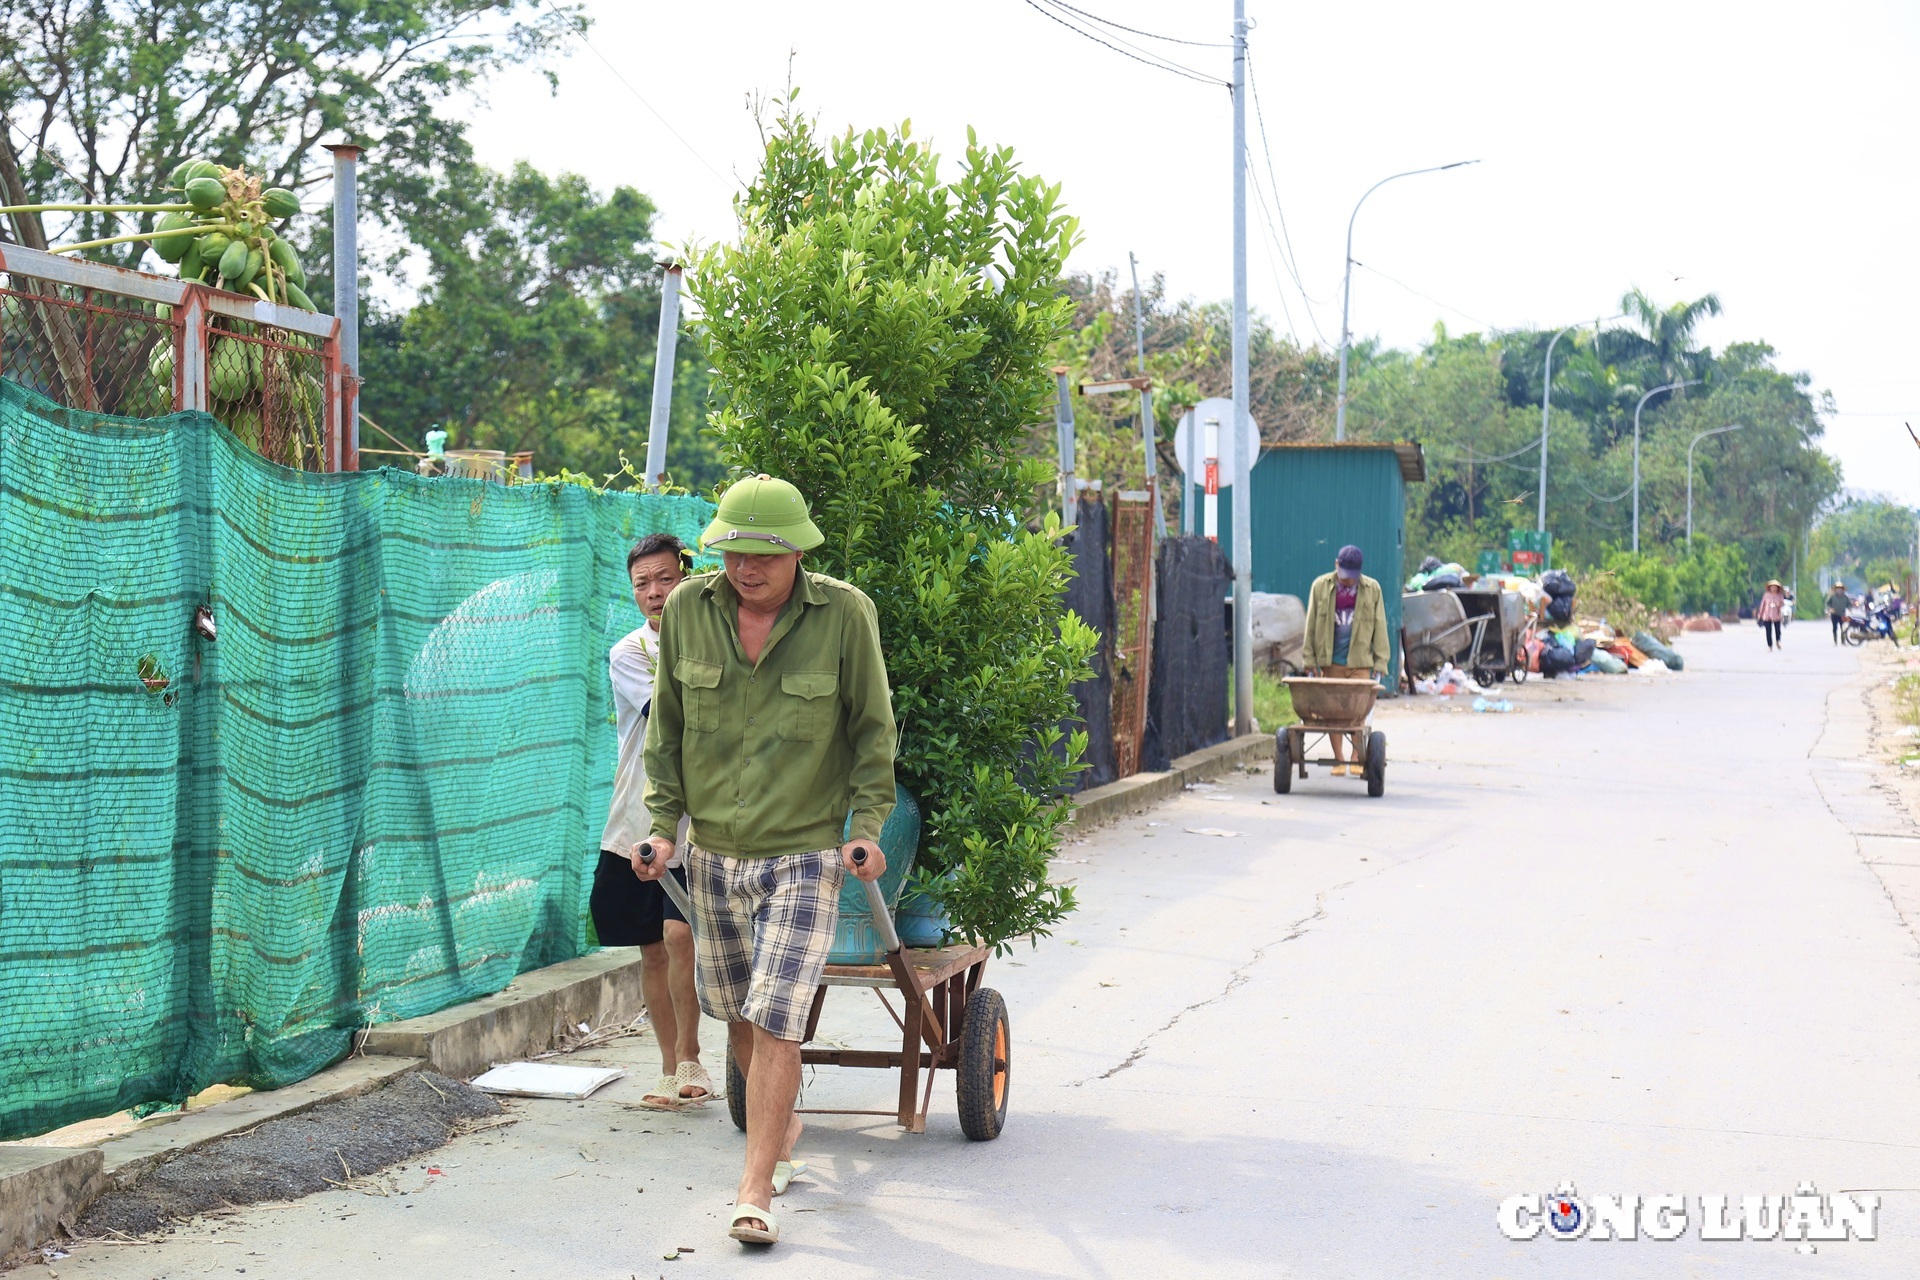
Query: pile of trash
[[1564, 644]]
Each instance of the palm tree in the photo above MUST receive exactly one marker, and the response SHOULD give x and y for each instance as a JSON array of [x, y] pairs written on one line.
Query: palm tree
[[1667, 344]]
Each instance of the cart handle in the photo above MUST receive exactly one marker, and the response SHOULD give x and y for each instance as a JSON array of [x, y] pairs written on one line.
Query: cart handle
[[882, 918], [671, 885]]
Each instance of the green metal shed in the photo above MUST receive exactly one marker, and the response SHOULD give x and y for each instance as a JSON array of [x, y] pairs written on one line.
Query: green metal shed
[[1309, 500]]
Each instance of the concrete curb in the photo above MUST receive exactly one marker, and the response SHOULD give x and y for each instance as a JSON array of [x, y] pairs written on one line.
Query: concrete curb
[[42, 1187], [526, 1018], [1144, 790]]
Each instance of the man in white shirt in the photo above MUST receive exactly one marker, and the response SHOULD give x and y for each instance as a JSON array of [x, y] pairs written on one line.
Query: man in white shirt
[[628, 911]]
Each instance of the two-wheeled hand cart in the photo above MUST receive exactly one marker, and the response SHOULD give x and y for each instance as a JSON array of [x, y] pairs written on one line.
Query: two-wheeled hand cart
[[947, 1022], [1328, 708]]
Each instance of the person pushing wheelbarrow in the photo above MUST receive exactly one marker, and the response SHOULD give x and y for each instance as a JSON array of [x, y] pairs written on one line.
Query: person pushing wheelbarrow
[[772, 722], [1347, 637]]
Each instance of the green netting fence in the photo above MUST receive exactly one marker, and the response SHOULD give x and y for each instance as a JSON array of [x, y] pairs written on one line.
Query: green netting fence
[[377, 789]]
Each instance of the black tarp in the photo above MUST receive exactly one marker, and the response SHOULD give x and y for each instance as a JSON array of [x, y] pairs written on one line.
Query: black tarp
[[1090, 595], [1192, 652]]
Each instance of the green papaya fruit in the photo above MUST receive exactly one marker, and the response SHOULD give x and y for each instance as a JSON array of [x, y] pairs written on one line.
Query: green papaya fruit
[[160, 363], [190, 261], [234, 369], [173, 248], [245, 423], [298, 297], [279, 202], [189, 169], [233, 262], [206, 194], [212, 245], [256, 262], [288, 261]]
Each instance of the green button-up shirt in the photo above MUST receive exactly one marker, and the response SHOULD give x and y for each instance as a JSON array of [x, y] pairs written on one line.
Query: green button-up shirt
[[769, 759]]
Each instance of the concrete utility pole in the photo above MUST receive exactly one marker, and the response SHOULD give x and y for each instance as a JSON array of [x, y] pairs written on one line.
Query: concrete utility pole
[[1346, 290], [1243, 465], [1696, 440], [664, 351], [1671, 386], [346, 282]]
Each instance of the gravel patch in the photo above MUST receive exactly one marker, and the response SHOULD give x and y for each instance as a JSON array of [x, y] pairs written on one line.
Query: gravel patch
[[330, 1145]]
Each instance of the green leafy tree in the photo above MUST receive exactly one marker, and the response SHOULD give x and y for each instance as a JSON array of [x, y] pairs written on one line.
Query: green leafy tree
[[1868, 538], [881, 336], [535, 329], [106, 96]]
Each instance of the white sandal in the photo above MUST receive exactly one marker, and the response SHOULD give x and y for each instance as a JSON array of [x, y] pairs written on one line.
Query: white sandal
[[753, 1235], [692, 1075], [664, 1096]]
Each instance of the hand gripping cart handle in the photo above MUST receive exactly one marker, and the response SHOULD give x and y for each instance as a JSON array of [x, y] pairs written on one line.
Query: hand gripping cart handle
[[882, 918]]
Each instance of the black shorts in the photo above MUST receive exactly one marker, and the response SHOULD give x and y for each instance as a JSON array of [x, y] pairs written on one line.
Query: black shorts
[[628, 911]]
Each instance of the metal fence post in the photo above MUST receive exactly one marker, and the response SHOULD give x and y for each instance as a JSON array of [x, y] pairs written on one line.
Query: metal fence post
[[663, 358], [346, 291]]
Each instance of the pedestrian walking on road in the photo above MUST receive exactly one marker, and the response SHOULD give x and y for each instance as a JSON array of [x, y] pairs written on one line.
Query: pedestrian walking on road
[[1770, 610], [632, 912], [1347, 637], [1838, 602], [775, 725]]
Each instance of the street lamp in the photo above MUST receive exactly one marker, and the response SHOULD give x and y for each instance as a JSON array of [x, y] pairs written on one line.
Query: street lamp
[[1671, 386], [1696, 440], [1346, 290], [1546, 403]]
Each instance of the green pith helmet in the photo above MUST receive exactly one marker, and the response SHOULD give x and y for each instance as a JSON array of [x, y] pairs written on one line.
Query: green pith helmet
[[761, 516]]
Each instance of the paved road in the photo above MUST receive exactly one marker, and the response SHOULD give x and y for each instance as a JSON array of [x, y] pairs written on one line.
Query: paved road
[[1619, 937]]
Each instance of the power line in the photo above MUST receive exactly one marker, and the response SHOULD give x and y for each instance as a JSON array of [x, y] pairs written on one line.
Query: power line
[[1108, 22], [1416, 293], [580, 34], [1288, 257], [1260, 207], [1153, 60]]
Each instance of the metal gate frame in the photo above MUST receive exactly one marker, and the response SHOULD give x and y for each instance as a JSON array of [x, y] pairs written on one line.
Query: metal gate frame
[[194, 305]]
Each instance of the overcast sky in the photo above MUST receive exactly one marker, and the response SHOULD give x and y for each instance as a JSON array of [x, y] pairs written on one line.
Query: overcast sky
[[1761, 151]]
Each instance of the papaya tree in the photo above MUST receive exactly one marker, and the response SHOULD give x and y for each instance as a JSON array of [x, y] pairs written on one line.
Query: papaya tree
[[880, 336]]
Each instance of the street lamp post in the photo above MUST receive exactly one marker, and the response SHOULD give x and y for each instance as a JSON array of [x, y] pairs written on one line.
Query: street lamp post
[[1346, 291], [1696, 440], [1546, 404], [1671, 386]]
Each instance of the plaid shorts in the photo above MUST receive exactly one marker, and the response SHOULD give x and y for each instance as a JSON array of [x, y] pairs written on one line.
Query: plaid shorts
[[762, 930]]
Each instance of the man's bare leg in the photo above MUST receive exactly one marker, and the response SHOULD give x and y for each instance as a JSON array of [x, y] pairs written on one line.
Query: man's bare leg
[[686, 1004], [772, 1070], [657, 990]]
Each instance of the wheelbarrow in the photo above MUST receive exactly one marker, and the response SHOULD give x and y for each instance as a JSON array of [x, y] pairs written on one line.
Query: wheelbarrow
[[1326, 708], [947, 1022]]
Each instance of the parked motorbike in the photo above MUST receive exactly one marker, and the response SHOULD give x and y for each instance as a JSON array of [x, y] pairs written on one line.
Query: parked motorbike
[[1864, 624]]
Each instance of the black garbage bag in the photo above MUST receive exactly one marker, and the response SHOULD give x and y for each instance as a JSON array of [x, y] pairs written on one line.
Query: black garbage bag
[[1582, 653], [1443, 582], [1430, 564], [1560, 609], [1557, 660], [1557, 583]]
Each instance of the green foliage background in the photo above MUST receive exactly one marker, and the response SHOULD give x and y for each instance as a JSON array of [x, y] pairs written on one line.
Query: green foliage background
[[881, 338]]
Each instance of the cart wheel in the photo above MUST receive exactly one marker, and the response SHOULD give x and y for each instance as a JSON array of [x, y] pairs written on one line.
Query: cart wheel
[[736, 1092], [986, 1062], [1376, 763], [1283, 762], [1425, 661], [1518, 673], [1487, 677]]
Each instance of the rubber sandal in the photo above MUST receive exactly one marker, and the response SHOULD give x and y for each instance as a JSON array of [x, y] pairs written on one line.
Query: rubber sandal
[[753, 1235], [664, 1096], [785, 1172], [1339, 771], [693, 1076]]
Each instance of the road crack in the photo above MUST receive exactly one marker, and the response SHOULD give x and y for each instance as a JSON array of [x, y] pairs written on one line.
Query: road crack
[[1235, 980]]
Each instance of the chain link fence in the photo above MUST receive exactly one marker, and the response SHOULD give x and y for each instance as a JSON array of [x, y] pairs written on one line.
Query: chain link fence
[[106, 340]]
